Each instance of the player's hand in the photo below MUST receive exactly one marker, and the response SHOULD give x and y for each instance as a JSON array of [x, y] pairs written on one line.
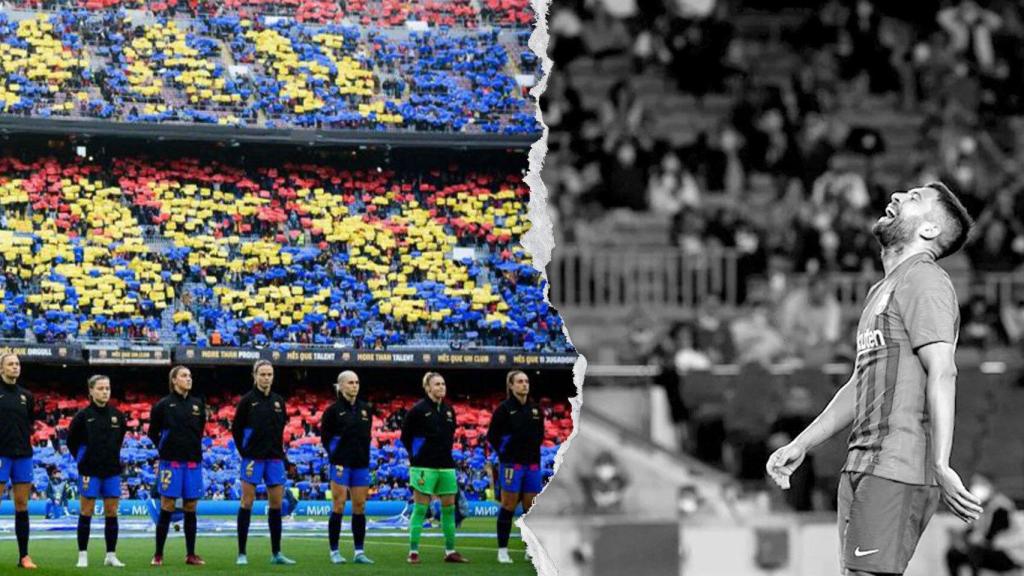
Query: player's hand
[[783, 462], [957, 497]]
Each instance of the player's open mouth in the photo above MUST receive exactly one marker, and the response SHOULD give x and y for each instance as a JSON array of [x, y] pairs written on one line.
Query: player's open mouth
[[890, 211]]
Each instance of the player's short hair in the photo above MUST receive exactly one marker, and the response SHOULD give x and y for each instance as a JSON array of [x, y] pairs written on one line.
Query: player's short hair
[[94, 379], [344, 373], [428, 377], [174, 372], [509, 378], [957, 222], [259, 364], [3, 357]]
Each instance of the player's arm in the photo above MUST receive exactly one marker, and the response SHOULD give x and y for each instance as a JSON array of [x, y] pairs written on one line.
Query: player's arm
[[929, 309], [239, 424], [156, 424], [836, 416], [327, 430], [540, 423], [76, 435], [940, 387], [124, 430], [409, 429], [283, 422], [499, 423], [30, 406]]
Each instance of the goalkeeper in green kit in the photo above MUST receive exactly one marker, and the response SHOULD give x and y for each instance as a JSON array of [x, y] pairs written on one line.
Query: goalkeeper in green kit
[[428, 433]]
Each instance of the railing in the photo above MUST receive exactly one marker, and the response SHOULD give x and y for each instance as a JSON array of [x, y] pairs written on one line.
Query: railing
[[620, 279], [616, 278], [996, 288], [999, 287]]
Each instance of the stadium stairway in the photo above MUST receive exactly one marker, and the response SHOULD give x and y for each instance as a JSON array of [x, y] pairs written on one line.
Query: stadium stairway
[[654, 476], [167, 325]]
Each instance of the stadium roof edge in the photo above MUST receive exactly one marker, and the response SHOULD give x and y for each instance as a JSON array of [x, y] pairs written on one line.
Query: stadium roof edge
[[12, 125]]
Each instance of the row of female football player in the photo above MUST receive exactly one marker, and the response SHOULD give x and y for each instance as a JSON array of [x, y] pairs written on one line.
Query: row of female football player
[[176, 428]]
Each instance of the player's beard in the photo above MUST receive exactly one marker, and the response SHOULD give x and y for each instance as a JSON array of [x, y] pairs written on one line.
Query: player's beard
[[896, 232]]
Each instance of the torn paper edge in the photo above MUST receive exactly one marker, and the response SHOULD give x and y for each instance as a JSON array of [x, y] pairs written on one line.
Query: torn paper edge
[[539, 242]]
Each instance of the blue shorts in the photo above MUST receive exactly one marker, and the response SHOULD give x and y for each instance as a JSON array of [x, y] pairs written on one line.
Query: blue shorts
[[180, 480], [351, 477], [268, 472], [96, 487], [525, 478], [16, 470]]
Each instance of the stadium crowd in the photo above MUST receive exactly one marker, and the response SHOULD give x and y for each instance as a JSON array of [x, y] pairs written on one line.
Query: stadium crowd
[[389, 460], [194, 251], [380, 13], [783, 142], [234, 70]]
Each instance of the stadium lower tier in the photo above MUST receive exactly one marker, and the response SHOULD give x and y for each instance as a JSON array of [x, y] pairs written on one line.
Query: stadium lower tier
[[193, 251], [55, 469]]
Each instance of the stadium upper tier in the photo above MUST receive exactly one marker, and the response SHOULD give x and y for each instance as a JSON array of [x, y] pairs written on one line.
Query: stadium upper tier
[[453, 13], [197, 252], [265, 73]]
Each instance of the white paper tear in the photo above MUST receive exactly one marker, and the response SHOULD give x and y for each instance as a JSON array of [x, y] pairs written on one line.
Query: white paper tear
[[539, 241]]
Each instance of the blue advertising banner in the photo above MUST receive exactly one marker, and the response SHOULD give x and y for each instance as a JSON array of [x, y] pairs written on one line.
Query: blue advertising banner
[[312, 509]]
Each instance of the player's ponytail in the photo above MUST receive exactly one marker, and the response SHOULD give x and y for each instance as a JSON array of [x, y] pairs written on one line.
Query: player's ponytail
[[509, 378], [173, 374], [256, 368], [427, 378], [341, 376]]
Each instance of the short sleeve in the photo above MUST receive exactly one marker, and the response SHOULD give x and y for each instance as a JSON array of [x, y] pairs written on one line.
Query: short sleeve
[[928, 305]]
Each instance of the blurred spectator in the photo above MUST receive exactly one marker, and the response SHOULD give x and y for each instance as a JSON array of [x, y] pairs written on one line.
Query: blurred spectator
[[671, 187], [999, 244], [566, 33], [862, 51], [757, 340], [980, 325], [841, 185], [970, 28], [797, 413], [713, 332], [663, 358], [1012, 316], [604, 486], [605, 35], [993, 542], [688, 355], [624, 173], [643, 335], [58, 493], [810, 319], [701, 51], [716, 162]]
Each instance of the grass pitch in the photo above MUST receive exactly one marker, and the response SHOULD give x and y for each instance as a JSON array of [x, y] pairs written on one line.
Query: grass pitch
[[58, 553]]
